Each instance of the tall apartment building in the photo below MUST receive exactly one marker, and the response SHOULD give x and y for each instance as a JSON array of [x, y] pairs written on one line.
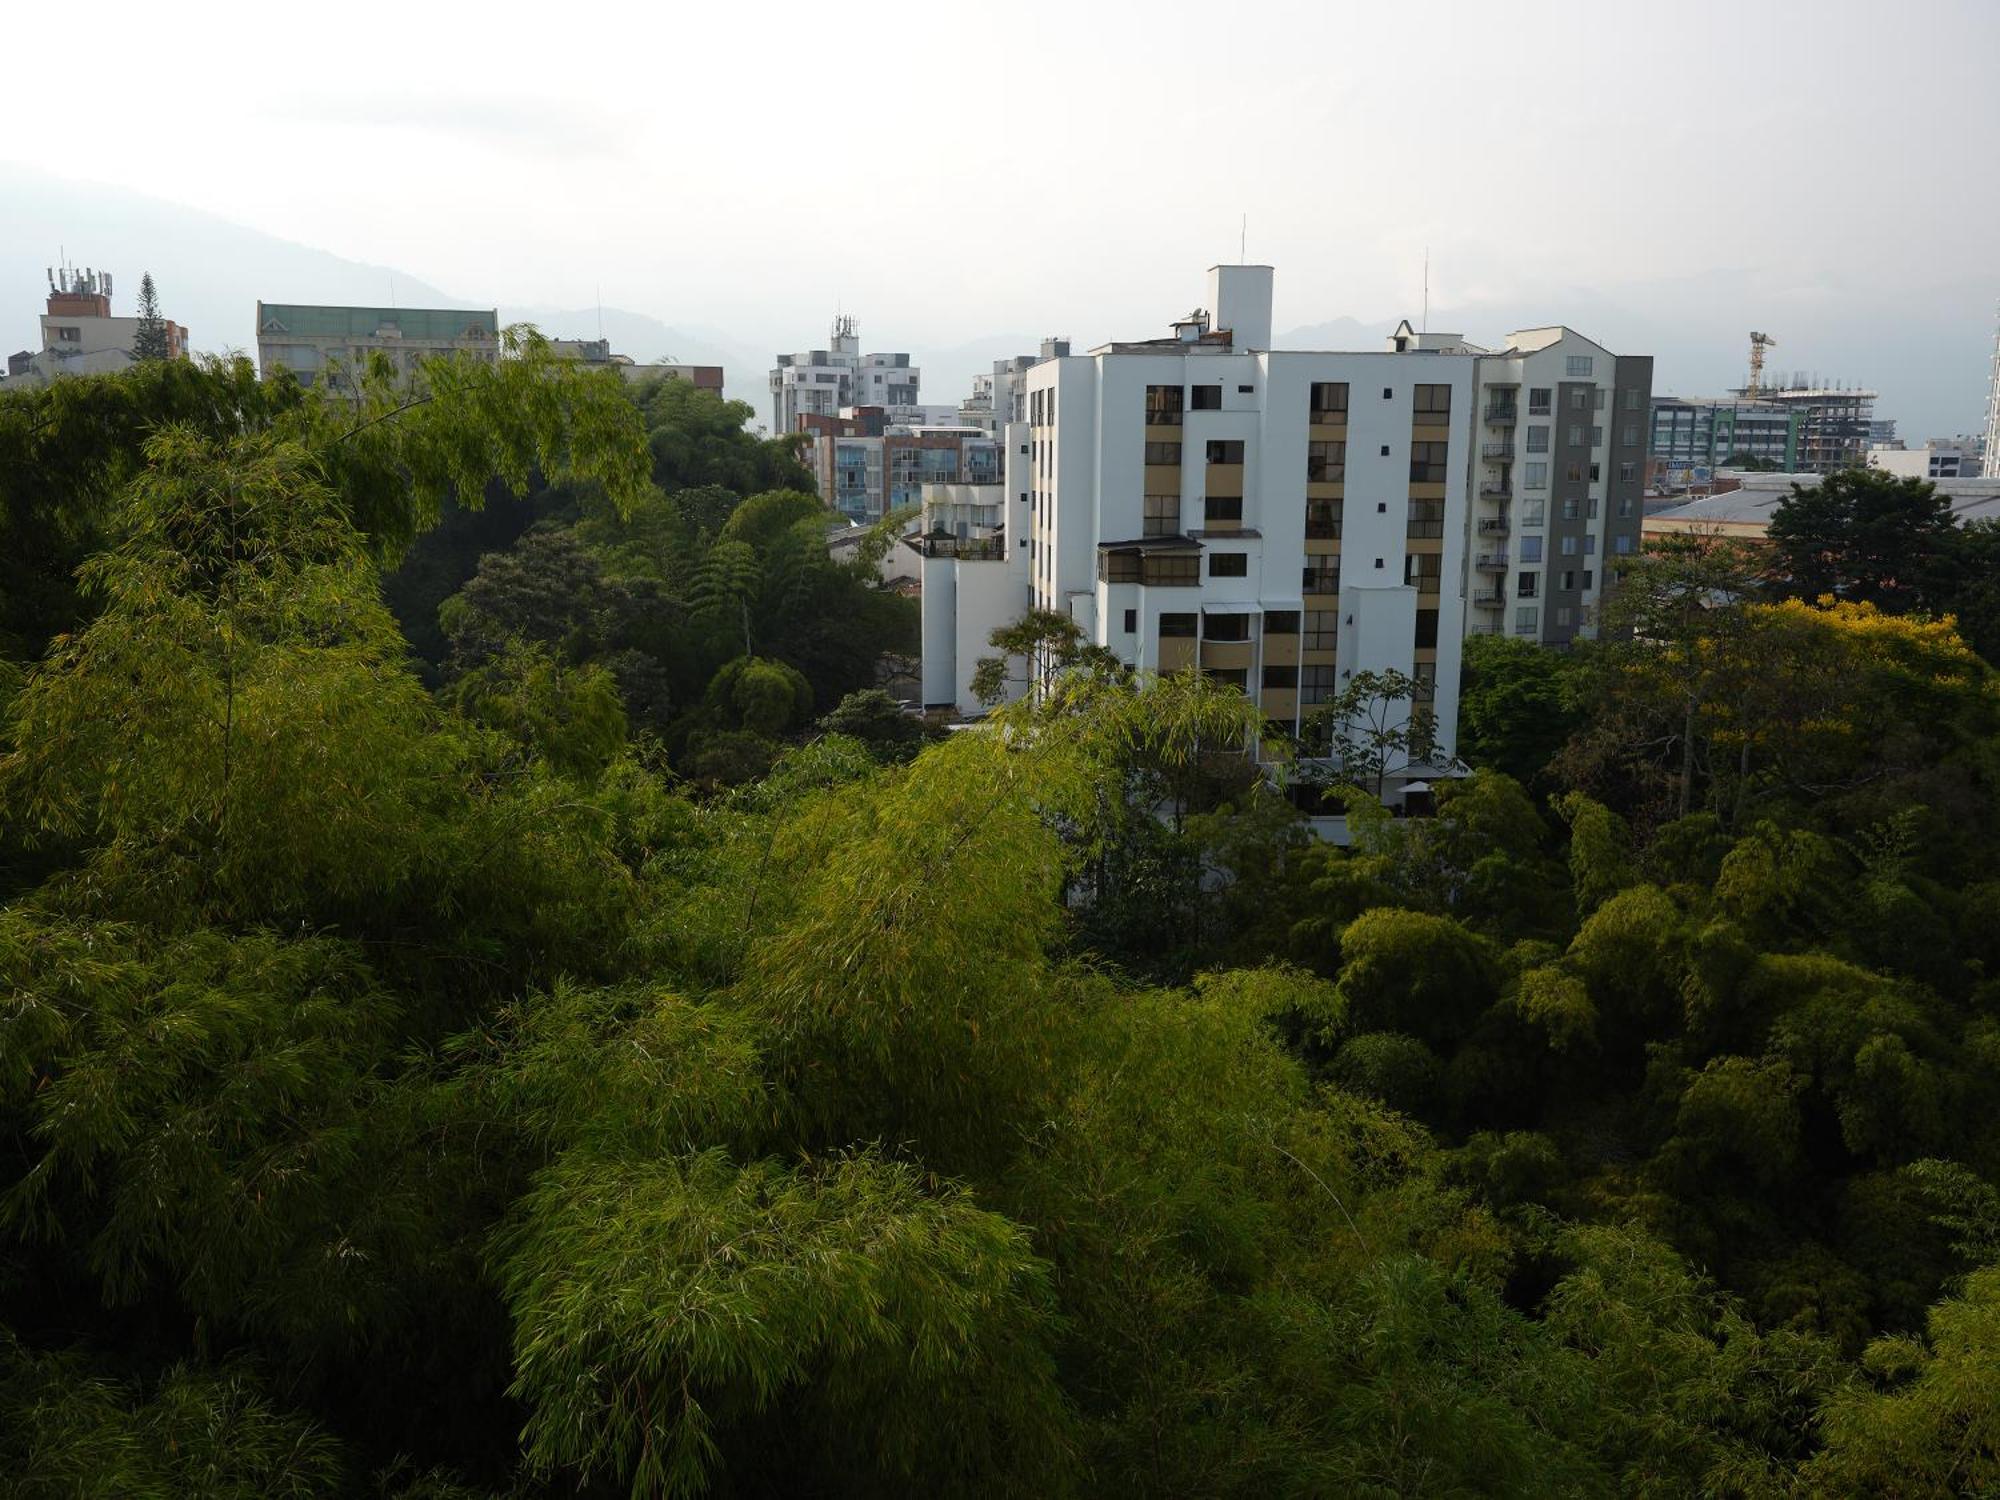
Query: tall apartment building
[[329, 343], [868, 466], [1561, 481], [80, 336], [825, 382], [597, 352], [1692, 436]]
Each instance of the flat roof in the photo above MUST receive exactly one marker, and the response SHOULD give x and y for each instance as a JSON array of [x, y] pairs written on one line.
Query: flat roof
[[308, 320]]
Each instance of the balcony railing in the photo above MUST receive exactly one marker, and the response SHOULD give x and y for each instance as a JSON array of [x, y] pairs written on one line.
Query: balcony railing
[[1322, 531], [1488, 598], [1494, 525], [1496, 489], [1491, 562], [970, 549], [1502, 416], [1496, 450]]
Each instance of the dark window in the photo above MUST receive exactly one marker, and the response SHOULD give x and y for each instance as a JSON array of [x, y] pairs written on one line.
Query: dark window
[[1427, 629], [1205, 397], [1163, 406], [1321, 576], [1227, 628], [1538, 401], [1423, 569], [1281, 677], [1163, 453], [1281, 622], [1323, 519], [1426, 519], [1174, 570], [1225, 451], [1228, 565], [1131, 621], [1246, 390], [1316, 685], [1236, 677], [1326, 462], [1118, 567], [1525, 585], [1222, 508], [1385, 450], [1163, 515], [1431, 401], [1329, 400], [1427, 462], [1388, 394], [1176, 626], [1322, 627]]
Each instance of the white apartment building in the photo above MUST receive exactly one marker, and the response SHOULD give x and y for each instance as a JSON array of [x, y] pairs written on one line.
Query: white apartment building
[[1940, 458], [824, 382], [1562, 430], [80, 336]]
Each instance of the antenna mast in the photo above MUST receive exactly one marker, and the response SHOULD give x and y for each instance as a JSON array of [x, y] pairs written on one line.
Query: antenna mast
[[1426, 328]]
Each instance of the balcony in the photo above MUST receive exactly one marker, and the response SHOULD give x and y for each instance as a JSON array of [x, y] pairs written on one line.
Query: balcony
[[1488, 598], [1495, 489], [1504, 452], [1491, 562], [966, 549], [1501, 416], [1495, 526]]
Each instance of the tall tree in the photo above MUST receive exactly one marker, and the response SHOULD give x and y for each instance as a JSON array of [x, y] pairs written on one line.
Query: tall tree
[[149, 340], [1868, 538]]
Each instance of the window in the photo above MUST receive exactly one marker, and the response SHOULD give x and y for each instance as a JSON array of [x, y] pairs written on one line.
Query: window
[[1538, 476], [1568, 581], [1222, 508], [1112, 567], [1531, 549], [1227, 628], [1538, 401], [1163, 515], [68, 335], [1622, 546], [1321, 576], [1226, 451], [1527, 619], [1597, 398], [1427, 461], [1596, 472], [1625, 506], [1538, 439], [1576, 434], [1163, 453], [1569, 507], [1422, 570], [1281, 677], [1246, 390], [1205, 397], [1326, 462], [1329, 401], [1627, 473], [1579, 400], [1630, 398], [1316, 685], [1628, 435], [1171, 570], [1323, 520], [1176, 626], [1431, 403], [1531, 512], [1569, 546], [1590, 545], [1426, 519], [1578, 366], [1586, 578], [1228, 565], [1281, 622], [1388, 393], [1573, 471], [1163, 406], [1564, 614], [1596, 437], [1526, 584], [1321, 630], [1131, 622], [1427, 629]]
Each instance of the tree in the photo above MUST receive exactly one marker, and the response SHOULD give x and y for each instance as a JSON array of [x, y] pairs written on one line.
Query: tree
[[879, 722], [1865, 537], [1374, 729], [149, 339], [1048, 642], [1516, 704], [699, 440]]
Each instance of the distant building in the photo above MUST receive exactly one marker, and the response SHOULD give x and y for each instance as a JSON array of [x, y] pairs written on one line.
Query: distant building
[[1991, 458], [1940, 458], [1835, 424], [598, 352], [1690, 437], [1000, 398], [328, 343], [868, 465], [1882, 433], [80, 336], [1744, 510], [824, 382]]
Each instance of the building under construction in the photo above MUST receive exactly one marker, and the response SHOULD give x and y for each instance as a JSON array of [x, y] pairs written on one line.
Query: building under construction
[[1834, 423]]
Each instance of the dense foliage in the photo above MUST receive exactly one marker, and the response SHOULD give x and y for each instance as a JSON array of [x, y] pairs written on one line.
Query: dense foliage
[[427, 1092]]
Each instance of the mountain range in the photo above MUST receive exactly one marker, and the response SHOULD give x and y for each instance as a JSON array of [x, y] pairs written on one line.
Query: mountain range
[[1929, 360]]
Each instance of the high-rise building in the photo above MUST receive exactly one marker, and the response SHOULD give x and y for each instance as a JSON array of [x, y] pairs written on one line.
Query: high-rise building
[[1690, 437], [329, 344], [825, 382], [79, 334]]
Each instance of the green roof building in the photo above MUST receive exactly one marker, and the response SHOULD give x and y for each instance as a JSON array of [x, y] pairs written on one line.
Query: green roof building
[[328, 343]]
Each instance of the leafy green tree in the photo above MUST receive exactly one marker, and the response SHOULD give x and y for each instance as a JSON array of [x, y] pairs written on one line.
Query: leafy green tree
[[879, 722], [1516, 705], [1375, 728], [149, 339], [1865, 537], [699, 440]]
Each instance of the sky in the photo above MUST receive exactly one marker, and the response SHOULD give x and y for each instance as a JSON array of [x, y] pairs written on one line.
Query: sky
[[1681, 171]]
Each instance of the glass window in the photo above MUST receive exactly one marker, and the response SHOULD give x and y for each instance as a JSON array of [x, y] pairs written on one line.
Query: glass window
[[1321, 628], [1316, 684], [1538, 439], [1597, 437], [1427, 629], [1426, 519], [1131, 621], [1163, 515], [1527, 619], [1323, 519], [1205, 397], [1227, 628], [1329, 400], [1628, 435], [1431, 400], [1576, 434], [1531, 549], [1538, 400], [1531, 511], [1326, 462], [1631, 399], [1627, 473], [1171, 570], [1538, 476], [1222, 508], [1527, 584], [1176, 626], [1163, 405], [1578, 366], [1163, 453], [1321, 576], [1622, 546], [1228, 565], [1569, 546], [1281, 677], [1112, 567], [1428, 460], [1226, 451]]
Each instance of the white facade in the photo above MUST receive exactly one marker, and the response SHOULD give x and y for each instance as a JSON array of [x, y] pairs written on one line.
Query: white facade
[[1940, 458], [973, 579], [822, 382]]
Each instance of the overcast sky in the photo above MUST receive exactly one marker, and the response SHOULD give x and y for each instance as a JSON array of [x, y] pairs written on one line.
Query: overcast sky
[[950, 172]]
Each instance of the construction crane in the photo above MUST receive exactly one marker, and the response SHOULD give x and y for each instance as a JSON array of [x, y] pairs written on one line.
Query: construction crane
[[1759, 342]]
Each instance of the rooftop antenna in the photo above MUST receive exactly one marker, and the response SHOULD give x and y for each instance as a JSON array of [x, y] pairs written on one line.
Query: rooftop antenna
[[600, 312], [392, 290], [1243, 241], [1426, 328]]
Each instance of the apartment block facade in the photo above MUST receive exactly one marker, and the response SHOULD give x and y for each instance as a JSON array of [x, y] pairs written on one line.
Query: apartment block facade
[[326, 345], [825, 382], [868, 466], [1693, 436]]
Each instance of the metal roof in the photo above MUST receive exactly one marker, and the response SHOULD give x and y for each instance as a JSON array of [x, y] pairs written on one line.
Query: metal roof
[[430, 324]]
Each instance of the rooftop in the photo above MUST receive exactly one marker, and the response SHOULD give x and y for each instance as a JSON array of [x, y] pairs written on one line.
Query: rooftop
[[304, 320]]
